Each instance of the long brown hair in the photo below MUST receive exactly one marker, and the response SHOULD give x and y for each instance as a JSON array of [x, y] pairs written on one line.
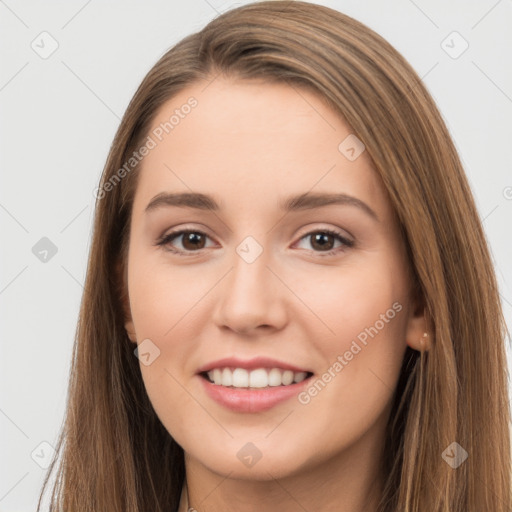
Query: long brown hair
[[116, 454]]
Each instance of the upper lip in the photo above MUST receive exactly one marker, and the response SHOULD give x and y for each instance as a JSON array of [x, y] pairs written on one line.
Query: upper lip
[[250, 364]]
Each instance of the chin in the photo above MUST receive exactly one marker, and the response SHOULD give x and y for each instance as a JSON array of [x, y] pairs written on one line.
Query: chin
[[260, 461]]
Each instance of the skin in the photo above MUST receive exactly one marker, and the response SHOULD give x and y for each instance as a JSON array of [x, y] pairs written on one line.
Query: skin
[[250, 144]]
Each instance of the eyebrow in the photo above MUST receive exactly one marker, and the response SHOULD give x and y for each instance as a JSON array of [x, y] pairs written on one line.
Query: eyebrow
[[305, 201]]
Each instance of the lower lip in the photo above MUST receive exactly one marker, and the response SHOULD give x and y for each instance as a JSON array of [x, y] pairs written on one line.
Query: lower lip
[[251, 400]]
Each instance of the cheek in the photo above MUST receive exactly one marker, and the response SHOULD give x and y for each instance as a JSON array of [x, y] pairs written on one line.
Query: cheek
[[352, 299], [352, 396], [362, 340], [164, 304], [162, 299]]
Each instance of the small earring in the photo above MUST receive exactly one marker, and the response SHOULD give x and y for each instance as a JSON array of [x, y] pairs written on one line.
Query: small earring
[[424, 338]]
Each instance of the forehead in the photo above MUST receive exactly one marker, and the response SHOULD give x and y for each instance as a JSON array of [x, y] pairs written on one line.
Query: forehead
[[253, 141]]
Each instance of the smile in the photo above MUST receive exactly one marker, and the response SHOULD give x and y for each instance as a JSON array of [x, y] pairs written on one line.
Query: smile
[[253, 391]]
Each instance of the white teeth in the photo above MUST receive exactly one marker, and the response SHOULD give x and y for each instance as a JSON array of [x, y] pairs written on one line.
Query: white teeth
[[274, 377], [259, 378], [287, 377], [227, 377], [240, 378]]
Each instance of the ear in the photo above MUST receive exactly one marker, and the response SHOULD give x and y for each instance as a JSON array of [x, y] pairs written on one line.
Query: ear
[[125, 301], [417, 334]]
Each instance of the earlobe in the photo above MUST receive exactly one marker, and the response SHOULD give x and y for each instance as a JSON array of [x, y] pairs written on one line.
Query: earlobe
[[125, 302], [417, 335], [128, 324], [130, 331], [422, 344]]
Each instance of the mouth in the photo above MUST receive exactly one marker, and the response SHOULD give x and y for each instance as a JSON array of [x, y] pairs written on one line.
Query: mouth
[[252, 385], [258, 378]]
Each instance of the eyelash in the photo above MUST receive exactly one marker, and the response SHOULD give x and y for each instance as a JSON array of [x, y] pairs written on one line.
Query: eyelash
[[166, 239]]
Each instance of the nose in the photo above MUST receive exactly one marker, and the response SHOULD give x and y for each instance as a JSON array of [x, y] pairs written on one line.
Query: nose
[[251, 297]]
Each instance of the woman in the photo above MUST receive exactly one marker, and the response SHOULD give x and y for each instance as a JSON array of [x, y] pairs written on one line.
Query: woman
[[289, 303]]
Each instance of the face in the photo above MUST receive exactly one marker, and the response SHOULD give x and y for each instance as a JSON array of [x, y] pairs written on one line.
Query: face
[[298, 310]]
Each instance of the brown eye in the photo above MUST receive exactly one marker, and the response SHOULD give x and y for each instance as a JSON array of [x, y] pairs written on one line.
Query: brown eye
[[191, 241], [322, 241]]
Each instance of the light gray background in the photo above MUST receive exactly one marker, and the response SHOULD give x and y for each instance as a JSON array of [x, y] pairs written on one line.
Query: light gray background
[[58, 118]]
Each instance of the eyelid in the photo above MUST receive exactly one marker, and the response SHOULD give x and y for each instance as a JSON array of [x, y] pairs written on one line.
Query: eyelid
[[305, 231], [333, 229]]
